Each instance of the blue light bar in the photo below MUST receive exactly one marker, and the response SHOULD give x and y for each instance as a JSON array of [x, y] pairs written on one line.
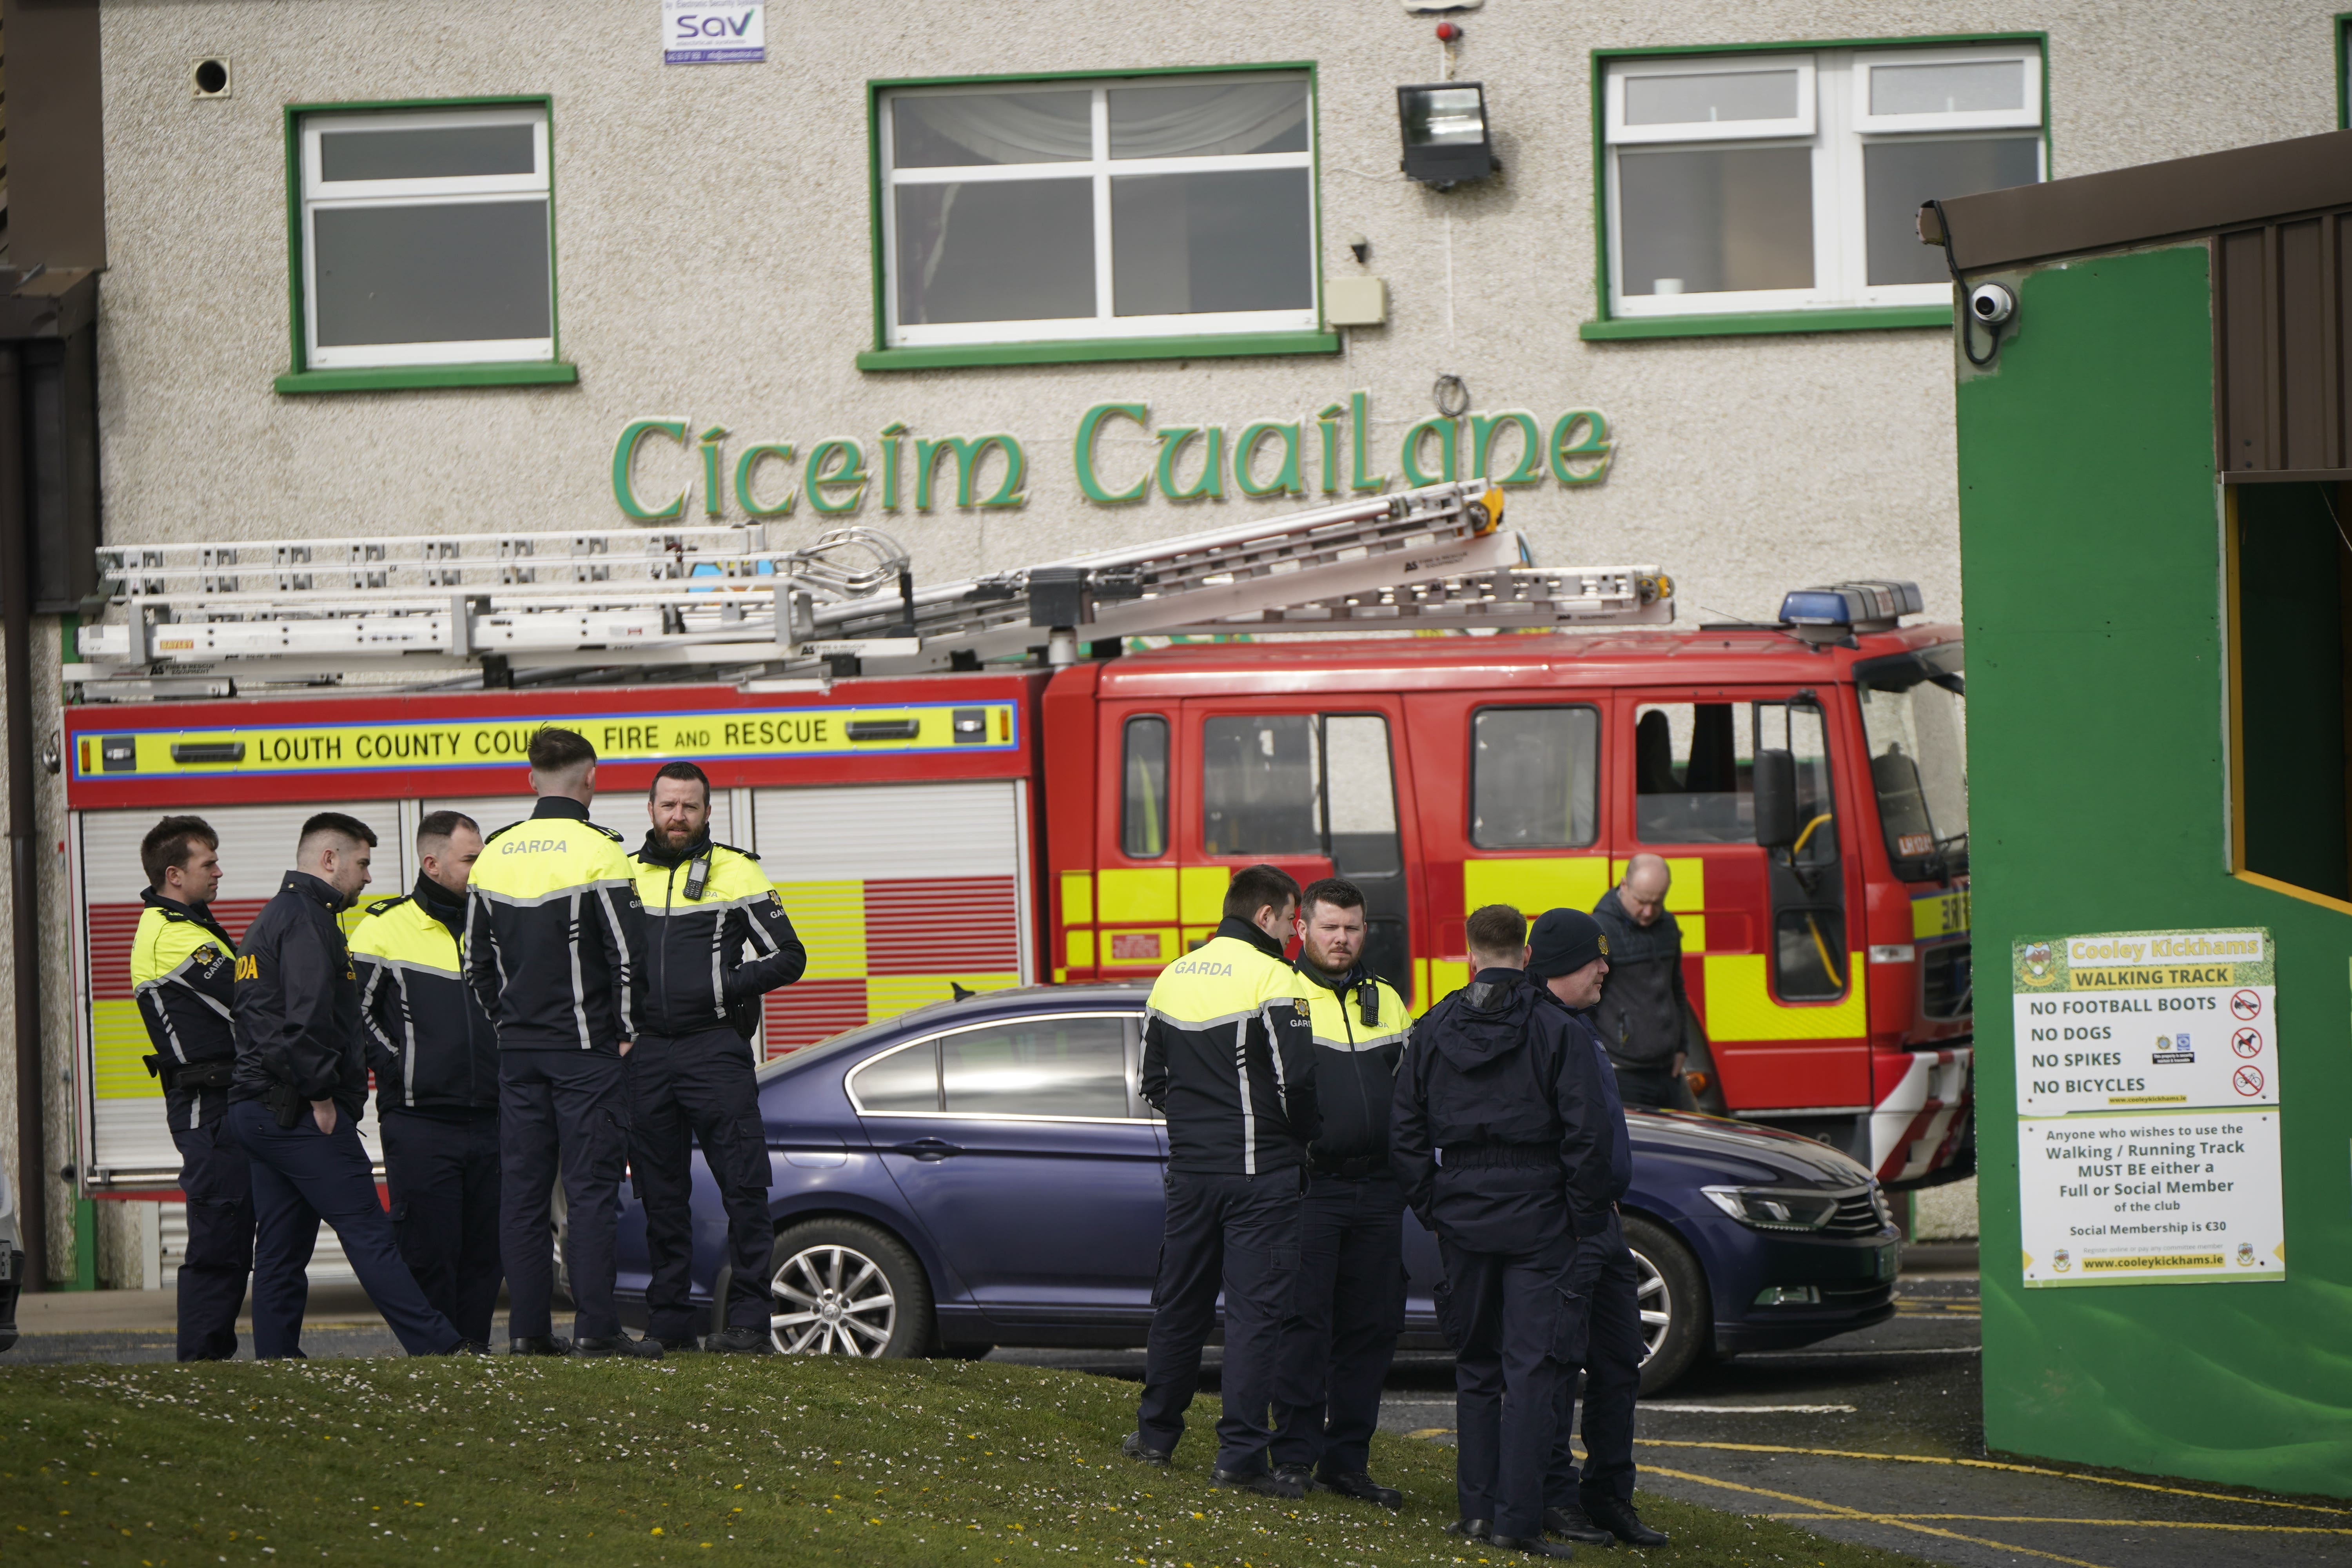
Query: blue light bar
[[1868, 606]]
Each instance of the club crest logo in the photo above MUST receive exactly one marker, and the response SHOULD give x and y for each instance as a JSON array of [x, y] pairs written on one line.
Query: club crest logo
[[2245, 1255], [2061, 1260], [2037, 965]]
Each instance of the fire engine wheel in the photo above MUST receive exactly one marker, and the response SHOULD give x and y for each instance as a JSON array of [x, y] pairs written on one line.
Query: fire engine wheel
[[840, 1286], [1671, 1293]]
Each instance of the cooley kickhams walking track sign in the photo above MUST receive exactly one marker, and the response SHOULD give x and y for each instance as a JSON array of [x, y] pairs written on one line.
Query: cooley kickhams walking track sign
[[2148, 1105]]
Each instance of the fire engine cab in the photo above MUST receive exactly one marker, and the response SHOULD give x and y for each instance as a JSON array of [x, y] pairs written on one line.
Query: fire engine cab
[[996, 783]]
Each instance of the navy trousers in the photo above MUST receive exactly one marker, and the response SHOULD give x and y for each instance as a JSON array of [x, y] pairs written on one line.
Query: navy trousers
[[1512, 1323], [1608, 1345], [215, 1176], [444, 1176], [1345, 1315], [561, 1113], [699, 1086], [301, 1176], [1239, 1234]]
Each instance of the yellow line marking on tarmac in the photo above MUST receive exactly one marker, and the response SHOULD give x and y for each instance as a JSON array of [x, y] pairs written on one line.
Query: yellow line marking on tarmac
[[1990, 1464], [2132, 1523], [1859, 1516], [1433, 1432]]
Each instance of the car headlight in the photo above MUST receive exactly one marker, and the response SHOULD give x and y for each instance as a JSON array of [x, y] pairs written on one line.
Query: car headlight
[[1766, 1208]]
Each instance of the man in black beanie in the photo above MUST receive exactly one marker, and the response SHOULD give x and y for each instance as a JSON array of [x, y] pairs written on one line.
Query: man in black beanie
[[1500, 1140], [1602, 1278]]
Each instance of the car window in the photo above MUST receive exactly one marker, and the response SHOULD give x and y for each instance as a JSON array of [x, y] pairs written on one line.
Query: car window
[[1037, 1067], [904, 1080]]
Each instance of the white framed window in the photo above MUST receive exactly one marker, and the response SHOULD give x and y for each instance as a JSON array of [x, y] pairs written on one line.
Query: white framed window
[[426, 237], [1790, 179], [1126, 207]]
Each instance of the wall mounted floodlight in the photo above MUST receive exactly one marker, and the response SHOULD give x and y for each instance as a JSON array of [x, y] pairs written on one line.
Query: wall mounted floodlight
[[1445, 138]]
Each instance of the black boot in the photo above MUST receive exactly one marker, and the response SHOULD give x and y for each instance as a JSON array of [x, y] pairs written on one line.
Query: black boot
[[1619, 1519], [618, 1345], [1265, 1483], [740, 1342], [1571, 1524], [1471, 1529], [1534, 1546], [1135, 1447], [1361, 1487], [539, 1344]]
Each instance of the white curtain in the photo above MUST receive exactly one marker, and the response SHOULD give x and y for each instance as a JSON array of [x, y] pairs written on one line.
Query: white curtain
[[1058, 127]]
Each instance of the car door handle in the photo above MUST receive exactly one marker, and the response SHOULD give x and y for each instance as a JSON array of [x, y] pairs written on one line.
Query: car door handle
[[926, 1148]]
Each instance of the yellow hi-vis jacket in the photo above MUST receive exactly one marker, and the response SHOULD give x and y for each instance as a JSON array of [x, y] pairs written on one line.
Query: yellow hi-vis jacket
[[430, 1044], [182, 966], [697, 931], [1361, 1028], [1228, 1057], [554, 940]]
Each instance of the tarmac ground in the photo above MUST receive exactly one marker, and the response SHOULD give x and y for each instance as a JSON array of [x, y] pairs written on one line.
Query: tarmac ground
[[1875, 1436]]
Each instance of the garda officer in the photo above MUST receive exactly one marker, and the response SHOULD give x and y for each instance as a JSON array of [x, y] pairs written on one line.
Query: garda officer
[[436, 1078], [1602, 1278], [181, 964], [295, 1101], [1499, 1140], [1228, 1058], [1349, 1308], [690, 1067], [553, 949]]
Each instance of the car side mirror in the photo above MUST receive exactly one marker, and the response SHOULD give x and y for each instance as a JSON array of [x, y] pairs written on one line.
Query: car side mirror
[[1775, 779]]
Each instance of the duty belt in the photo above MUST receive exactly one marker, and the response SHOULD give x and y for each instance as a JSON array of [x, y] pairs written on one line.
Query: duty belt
[[213, 1074], [1354, 1169], [1472, 1156]]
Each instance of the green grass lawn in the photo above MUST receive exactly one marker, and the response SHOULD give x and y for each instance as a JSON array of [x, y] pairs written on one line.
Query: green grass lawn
[[703, 1459]]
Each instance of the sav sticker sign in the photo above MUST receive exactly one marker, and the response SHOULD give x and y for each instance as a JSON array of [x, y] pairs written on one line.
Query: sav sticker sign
[[713, 32]]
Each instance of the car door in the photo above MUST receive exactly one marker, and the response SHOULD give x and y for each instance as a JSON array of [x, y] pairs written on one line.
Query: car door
[[1022, 1150]]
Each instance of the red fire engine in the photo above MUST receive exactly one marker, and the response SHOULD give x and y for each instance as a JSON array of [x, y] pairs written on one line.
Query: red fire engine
[[1077, 817]]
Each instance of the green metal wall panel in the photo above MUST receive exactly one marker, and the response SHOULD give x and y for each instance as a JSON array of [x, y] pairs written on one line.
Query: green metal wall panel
[[2091, 551]]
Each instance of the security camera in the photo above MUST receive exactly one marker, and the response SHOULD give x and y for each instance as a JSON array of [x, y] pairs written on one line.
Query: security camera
[[1991, 304]]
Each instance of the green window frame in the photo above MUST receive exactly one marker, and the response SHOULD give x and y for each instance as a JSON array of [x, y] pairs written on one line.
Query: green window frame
[[313, 192], [1835, 118], [1086, 339]]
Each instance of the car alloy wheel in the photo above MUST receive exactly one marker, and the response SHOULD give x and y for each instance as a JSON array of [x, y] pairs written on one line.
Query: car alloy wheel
[[832, 1300], [1656, 1299], [1670, 1292]]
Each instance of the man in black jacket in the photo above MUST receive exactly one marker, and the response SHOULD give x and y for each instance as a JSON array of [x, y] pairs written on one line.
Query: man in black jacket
[[690, 1071], [1645, 1008], [1349, 1307], [1228, 1057], [1500, 1142], [299, 1086], [436, 1057]]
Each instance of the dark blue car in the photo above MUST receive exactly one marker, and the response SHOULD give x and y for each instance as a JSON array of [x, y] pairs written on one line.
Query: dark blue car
[[985, 1173]]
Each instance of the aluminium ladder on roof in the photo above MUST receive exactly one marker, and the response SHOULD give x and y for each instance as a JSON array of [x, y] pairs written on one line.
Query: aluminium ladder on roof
[[1436, 557]]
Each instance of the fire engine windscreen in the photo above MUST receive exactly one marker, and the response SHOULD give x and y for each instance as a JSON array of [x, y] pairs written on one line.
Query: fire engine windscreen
[[1915, 715]]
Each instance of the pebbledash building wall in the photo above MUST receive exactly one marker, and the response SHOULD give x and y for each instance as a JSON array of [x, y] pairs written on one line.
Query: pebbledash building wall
[[426, 267]]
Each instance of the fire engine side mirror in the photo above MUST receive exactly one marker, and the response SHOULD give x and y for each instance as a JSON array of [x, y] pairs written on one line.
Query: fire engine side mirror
[[1776, 799]]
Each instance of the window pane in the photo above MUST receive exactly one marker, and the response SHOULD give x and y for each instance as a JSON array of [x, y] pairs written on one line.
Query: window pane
[[1722, 219], [1797, 729], [1258, 786], [457, 273], [1976, 87], [448, 153], [1049, 1066], [1896, 176], [1443, 117], [1222, 120], [906, 1079], [1809, 956], [1534, 778], [1183, 243], [1014, 250], [955, 130], [1693, 774], [1710, 97], [1143, 790]]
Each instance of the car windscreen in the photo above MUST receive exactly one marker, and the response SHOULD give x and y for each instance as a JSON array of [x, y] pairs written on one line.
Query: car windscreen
[[1915, 716]]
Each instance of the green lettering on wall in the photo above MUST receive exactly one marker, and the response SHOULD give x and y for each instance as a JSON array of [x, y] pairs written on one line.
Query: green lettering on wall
[[1360, 445], [1593, 443], [714, 498], [1285, 480], [1449, 436], [1327, 419], [1483, 428], [1090, 484], [967, 454], [847, 460], [890, 435], [625, 459], [1212, 482], [747, 470]]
